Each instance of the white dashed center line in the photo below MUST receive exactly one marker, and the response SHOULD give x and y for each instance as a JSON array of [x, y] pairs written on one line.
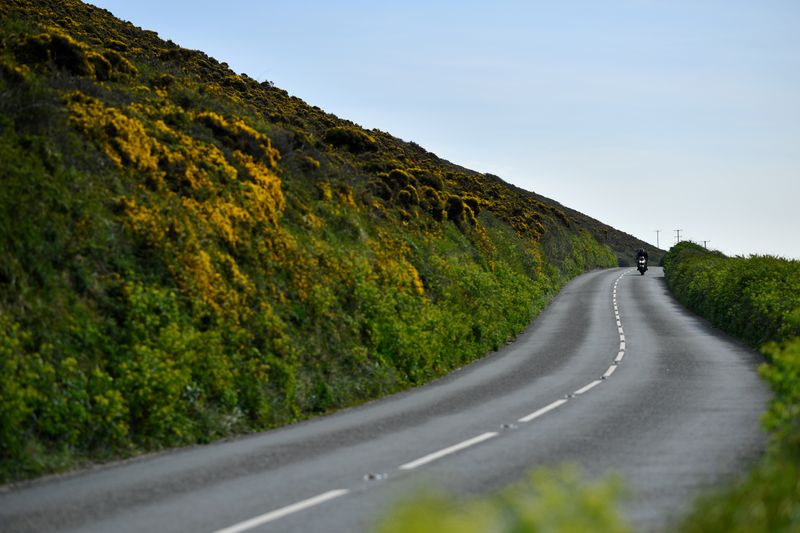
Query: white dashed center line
[[543, 410], [588, 387], [447, 451], [284, 511], [333, 494]]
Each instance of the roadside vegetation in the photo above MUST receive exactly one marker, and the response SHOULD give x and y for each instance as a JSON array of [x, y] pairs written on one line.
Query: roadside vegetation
[[756, 299], [188, 254], [557, 500]]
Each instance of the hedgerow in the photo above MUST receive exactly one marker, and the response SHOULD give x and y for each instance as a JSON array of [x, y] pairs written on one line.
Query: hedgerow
[[756, 299]]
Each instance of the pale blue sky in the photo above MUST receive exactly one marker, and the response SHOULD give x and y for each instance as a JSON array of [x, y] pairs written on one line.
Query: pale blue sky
[[645, 114]]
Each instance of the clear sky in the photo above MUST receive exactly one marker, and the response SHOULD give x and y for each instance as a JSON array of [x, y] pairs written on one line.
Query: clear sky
[[645, 114]]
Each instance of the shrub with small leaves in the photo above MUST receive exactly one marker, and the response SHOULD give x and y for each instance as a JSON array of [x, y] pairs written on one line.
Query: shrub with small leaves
[[353, 139]]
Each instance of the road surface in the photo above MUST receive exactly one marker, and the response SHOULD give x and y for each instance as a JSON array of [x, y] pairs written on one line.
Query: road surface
[[614, 376]]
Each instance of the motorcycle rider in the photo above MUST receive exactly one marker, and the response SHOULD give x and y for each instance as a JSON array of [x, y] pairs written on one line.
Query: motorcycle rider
[[641, 260]]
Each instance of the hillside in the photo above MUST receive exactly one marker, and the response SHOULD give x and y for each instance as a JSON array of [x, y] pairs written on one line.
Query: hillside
[[187, 254]]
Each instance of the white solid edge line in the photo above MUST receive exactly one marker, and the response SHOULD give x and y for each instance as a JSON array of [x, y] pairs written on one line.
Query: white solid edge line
[[543, 410], [284, 511], [588, 387], [610, 371], [447, 451]]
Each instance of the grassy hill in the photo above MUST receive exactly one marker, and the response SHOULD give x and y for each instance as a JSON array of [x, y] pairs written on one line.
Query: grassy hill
[[186, 253]]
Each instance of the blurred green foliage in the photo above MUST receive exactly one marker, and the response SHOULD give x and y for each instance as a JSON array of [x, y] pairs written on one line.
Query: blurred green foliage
[[557, 500], [756, 299]]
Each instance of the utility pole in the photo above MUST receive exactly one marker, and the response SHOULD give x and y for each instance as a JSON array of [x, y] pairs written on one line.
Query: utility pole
[[705, 244], [657, 244], [678, 235]]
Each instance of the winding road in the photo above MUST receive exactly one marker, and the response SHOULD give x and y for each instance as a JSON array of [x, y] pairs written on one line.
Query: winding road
[[614, 376]]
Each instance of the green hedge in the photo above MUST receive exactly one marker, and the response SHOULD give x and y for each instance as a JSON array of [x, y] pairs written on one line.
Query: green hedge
[[756, 299]]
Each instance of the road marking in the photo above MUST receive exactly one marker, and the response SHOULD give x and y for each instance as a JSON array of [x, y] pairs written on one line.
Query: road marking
[[447, 451], [333, 494], [284, 511], [543, 410], [588, 387]]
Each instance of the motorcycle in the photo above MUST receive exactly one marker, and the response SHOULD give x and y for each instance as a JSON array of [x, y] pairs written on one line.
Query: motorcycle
[[641, 265]]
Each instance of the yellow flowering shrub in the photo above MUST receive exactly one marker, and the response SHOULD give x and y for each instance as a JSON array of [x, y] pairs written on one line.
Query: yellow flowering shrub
[[62, 51], [239, 136], [123, 139], [192, 191], [263, 190]]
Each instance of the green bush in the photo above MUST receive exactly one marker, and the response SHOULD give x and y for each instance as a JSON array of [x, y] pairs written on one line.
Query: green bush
[[755, 298], [353, 139], [783, 374]]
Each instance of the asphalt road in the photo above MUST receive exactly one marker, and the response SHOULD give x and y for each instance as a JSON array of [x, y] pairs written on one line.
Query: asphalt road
[[676, 414]]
